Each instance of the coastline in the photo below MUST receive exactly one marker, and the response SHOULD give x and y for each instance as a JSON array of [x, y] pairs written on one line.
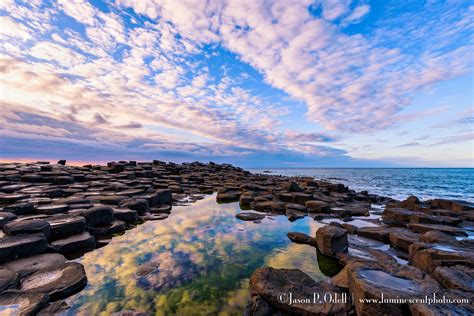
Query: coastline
[[56, 210]]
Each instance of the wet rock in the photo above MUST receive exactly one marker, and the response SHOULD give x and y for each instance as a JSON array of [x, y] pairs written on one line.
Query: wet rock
[[139, 205], [155, 217], [278, 207], [428, 257], [265, 206], [301, 238], [246, 199], [331, 240], [341, 279], [269, 283], [314, 206], [362, 252], [62, 162], [66, 225], [112, 228], [293, 187], [381, 233], [53, 308], [249, 216], [368, 279], [21, 208], [160, 197], [63, 180], [22, 303], [6, 217], [125, 215], [98, 215], [227, 197], [457, 277], [431, 219], [162, 209], [8, 279], [437, 237], [25, 227], [74, 244], [58, 283], [29, 265], [52, 209], [10, 198], [294, 216], [461, 206], [411, 203], [108, 199], [423, 228], [301, 198], [398, 216], [403, 238], [20, 246]]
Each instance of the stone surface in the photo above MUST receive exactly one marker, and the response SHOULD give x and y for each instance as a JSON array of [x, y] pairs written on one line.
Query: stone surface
[[66, 225], [249, 216], [6, 217], [269, 283], [368, 279], [428, 257], [456, 277], [58, 283], [301, 238], [98, 215], [26, 227], [8, 279], [112, 228], [331, 240], [20, 246], [126, 215], [403, 238], [423, 228], [77, 243], [29, 265], [22, 303], [314, 206]]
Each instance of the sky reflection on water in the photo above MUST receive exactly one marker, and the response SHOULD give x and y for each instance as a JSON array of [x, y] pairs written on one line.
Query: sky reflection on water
[[198, 261]]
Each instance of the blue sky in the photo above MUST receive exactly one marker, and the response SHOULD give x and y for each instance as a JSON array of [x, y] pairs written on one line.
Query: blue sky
[[256, 83]]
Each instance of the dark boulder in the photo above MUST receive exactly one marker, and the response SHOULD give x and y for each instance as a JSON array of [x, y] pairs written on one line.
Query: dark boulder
[[331, 240], [25, 227], [301, 238], [29, 265], [22, 245], [79, 243]]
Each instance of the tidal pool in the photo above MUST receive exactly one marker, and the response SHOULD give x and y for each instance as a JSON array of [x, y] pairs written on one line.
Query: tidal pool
[[197, 261]]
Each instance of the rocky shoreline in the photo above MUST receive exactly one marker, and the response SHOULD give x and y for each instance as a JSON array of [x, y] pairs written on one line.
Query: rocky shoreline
[[51, 214]]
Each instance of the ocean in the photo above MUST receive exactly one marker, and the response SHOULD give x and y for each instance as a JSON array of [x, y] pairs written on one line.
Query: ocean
[[398, 183]]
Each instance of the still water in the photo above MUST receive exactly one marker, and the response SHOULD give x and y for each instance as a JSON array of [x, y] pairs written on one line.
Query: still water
[[197, 261]]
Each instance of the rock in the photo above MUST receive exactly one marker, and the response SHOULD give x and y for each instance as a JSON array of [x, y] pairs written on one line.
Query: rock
[[293, 187], [249, 216], [227, 197], [22, 303], [112, 228], [435, 237], [461, 206], [403, 238], [368, 279], [108, 199], [160, 197], [62, 162], [6, 217], [10, 198], [431, 219], [410, 203], [294, 216], [74, 244], [98, 215], [457, 277], [58, 283], [381, 233], [358, 252], [8, 279], [126, 215], [66, 225], [398, 216], [155, 217], [301, 238], [246, 199], [63, 180], [443, 309], [139, 205], [53, 308], [331, 240], [301, 198], [422, 228], [265, 206], [341, 279], [29, 265], [25, 227], [21, 208], [269, 283], [314, 206], [52, 209], [20, 246], [428, 257]]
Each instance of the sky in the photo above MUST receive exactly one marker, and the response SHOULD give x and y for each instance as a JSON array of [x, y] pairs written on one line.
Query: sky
[[256, 83]]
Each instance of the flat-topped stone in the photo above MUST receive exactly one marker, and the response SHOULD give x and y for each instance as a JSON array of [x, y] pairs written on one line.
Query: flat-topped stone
[[58, 282], [8, 279], [423, 228], [25, 227], [74, 244], [22, 303], [29, 265], [12, 247]]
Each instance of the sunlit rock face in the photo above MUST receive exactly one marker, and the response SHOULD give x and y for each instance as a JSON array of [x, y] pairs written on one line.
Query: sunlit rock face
[[197, 260]]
